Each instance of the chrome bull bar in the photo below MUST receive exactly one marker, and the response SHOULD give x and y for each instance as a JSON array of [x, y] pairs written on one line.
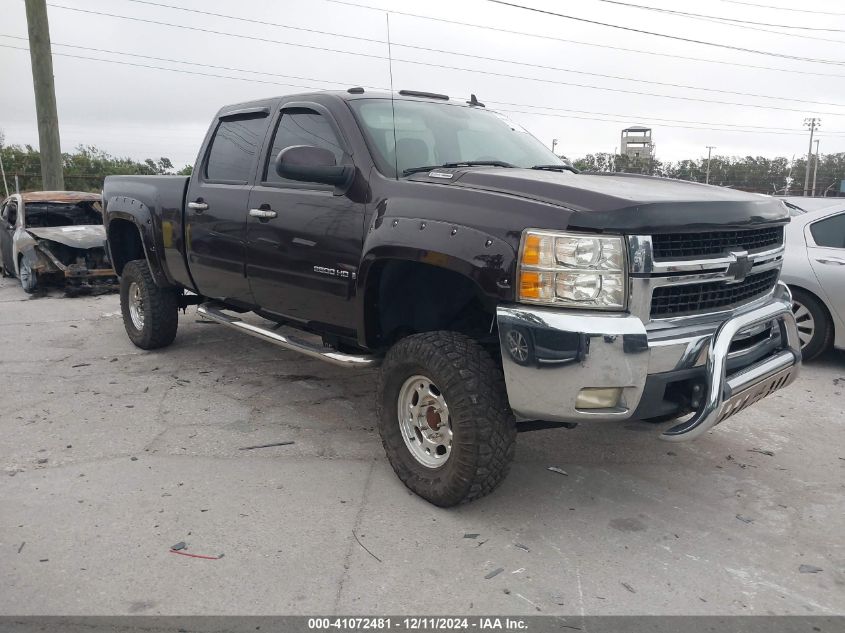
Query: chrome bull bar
[[725, 396]]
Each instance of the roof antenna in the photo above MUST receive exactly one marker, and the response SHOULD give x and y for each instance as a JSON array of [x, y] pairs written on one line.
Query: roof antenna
[[392, 105], [473, 101]]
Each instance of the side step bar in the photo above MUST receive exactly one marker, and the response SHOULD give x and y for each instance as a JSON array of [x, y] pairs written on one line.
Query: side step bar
[[214, 311]]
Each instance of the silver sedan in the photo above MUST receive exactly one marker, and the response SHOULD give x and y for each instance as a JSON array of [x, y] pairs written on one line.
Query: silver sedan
[[814, 269]]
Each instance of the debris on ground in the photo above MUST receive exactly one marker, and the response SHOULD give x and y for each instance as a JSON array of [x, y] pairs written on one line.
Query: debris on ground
[[506, 591], [21, 547], [559, 471], [179, 546], [249, 448], [43, 460], [809, 569], [761, 451], [522, 547], [744, 519], [494, 573], [629, 587], [365, 547], [133, 458], [173, 551], [467, 535]]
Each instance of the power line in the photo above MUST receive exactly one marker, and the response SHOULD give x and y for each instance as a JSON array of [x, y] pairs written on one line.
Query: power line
[[699, 15], [199, 64], [188, 72], [484, 58], [582, 43], [340, 83], [175, 70], [746, 24], [640, 117], [768, 6], [449, 66], [667, 36]]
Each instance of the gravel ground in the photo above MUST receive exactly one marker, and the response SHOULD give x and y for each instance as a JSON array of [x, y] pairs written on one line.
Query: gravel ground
[[111, 455]]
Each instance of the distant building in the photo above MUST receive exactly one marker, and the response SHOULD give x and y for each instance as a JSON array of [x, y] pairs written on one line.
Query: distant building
[[637, 143]]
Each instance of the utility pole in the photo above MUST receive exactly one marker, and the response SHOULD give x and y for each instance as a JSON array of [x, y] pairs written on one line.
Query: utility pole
[[812, 123], [2, 168], [710, 149], [816, 168], [41, 56], [554, 144]]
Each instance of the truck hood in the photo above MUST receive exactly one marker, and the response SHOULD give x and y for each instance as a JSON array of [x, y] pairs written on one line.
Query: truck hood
[[85, 237], [625, 202]]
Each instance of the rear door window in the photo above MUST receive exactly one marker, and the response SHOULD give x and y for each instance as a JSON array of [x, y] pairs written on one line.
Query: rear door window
[[233, 151], [830, 232]]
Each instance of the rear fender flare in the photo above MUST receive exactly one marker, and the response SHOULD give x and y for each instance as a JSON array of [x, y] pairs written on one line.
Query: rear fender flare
[[139, 214]]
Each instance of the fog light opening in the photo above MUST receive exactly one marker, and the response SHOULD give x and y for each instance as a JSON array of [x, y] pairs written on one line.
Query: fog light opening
[[599, 398]]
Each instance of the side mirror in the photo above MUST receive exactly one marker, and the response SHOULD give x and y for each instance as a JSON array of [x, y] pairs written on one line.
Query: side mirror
[[313, 164]]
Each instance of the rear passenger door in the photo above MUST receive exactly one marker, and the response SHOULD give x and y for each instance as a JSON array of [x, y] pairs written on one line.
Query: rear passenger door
[[217, 204], [826, 250]]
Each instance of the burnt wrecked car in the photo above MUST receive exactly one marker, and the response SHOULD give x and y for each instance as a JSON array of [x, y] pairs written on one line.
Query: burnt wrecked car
[[55, 238]]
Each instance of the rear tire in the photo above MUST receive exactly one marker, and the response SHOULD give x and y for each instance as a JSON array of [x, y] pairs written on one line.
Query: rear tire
[[815, 329], [150, 313], [463, 391]]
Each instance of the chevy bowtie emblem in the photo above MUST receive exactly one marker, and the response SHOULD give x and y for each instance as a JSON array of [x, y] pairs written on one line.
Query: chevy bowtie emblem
[[740, 266]]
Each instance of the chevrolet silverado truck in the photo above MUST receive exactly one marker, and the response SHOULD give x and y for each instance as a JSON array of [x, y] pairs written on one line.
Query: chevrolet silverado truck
[[497, 288]]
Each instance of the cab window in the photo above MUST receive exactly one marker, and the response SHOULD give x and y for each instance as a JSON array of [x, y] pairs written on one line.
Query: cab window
[[301, 126], [830, 232], [236, 142]]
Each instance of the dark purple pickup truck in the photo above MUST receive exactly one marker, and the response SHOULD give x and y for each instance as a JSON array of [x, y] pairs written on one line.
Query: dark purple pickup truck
[[497, 288]]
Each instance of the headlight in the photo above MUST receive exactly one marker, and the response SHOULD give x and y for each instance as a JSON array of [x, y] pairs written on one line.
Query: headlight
[[571, 269]]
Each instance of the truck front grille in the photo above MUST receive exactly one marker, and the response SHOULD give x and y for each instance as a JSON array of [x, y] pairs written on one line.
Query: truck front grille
[[685, 299], [668, 246]]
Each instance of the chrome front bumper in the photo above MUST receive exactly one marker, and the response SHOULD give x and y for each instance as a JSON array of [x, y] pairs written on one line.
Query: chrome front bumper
[[549, 356]]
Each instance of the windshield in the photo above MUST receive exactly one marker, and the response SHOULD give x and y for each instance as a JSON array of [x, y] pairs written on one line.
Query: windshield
[[431, 134], [50, 214]]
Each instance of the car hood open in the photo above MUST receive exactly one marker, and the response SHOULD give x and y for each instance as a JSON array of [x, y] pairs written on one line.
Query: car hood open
[[85, 237]]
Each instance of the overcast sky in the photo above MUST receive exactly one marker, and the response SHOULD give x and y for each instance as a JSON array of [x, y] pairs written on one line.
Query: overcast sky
[[139, 112]]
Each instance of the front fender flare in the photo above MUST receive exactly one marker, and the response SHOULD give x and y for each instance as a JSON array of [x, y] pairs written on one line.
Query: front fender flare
[[488, 261]]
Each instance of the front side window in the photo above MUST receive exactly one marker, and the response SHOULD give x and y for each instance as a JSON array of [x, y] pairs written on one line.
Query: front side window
[[430, 134], [236, 142], [830, 232], [301, 126]]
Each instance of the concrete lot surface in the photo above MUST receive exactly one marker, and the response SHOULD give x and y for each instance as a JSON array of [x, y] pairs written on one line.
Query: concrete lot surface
[[111, 455]]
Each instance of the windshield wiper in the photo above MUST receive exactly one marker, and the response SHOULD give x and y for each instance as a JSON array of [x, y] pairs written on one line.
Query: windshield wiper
[[557, 168], [465, 163]]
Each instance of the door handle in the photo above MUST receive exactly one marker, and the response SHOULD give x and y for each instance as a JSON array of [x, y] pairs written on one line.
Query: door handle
[[834, 261], [198, 206], [262, 214]]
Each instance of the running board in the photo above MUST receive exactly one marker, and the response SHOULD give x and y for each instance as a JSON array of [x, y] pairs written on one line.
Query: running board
[[214, 311]]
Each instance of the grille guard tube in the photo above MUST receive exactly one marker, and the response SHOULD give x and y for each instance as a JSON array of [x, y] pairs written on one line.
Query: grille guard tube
[[725, 396]]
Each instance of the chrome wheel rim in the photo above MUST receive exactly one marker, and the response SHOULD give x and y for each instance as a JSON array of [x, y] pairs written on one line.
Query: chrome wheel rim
[[805, 322], [136, 306], [424, 421], [517, 346]]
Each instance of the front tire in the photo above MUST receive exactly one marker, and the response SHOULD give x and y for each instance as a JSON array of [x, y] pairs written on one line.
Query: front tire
[[815, 329], [150, 313], [444, 418], [27, 276]]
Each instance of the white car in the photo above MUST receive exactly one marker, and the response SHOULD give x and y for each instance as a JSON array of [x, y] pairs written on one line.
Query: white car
[[814, 269]]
